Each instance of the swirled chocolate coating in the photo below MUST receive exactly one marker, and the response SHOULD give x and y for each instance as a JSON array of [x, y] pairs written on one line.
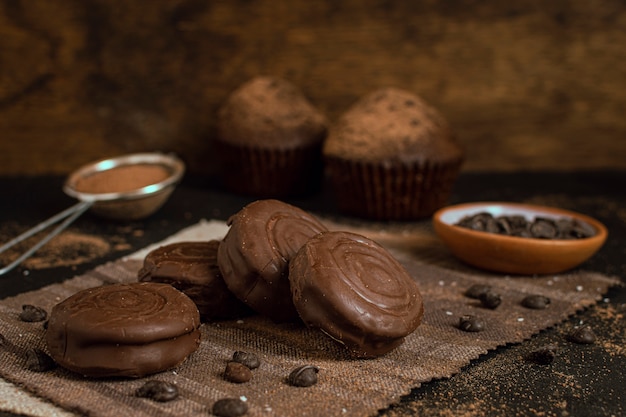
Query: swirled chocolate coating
[[255, 253], [355, 291], [192, 268], [128, 330]]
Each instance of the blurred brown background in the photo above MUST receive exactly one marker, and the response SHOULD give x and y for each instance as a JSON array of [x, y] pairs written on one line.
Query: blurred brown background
[[526, 84]]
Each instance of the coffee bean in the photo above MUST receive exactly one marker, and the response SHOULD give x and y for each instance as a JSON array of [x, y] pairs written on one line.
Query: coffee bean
[[469, 323], [574, 229], [476, 290], [156, 390], [583, 335], [536, 302], [229, 407], [476, 222], [38, 361], [32, 313], [237, 372], [517, 225], [543, 229], [248, 359], [490, 299], [303, 376], [544, 355]]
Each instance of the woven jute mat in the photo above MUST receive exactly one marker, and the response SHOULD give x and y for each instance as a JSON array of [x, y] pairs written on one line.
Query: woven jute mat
[[346, 387]]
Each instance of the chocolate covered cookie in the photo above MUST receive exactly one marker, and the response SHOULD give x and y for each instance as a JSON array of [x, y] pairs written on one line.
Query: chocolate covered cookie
[[192, 268], [125, 330], [355, 291], [255, 253]]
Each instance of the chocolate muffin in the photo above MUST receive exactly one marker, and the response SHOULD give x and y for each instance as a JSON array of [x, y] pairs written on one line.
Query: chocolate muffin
[[356, 292], [191, 267], [269, 139], [123, 330], [255, 254], [391, 156]]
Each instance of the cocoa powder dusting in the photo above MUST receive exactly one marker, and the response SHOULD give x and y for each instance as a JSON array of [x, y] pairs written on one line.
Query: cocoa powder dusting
[[122, 179], [69, 248]]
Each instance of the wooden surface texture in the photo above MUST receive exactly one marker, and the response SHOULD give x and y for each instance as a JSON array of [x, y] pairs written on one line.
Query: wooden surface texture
[[526, 84]]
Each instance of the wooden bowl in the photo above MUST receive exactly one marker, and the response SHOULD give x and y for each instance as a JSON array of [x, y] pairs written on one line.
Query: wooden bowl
[[516, 255]]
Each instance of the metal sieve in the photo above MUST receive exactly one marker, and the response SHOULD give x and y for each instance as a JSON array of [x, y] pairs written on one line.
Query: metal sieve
[[128, 205]]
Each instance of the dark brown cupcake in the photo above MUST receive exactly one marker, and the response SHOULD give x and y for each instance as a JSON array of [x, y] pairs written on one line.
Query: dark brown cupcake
[[269, 140], [391, 157]]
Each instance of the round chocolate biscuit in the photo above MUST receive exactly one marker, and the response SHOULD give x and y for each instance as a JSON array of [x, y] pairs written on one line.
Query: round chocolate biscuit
[[191, 267], [355, 291], [123, 330], [255, 253]]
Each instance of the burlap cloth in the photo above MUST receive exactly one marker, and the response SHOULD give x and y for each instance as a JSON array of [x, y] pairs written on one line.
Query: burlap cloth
[[346, 387]]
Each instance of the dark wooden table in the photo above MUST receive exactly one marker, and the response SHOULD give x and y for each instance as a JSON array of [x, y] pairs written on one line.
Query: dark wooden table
[[584, 380]]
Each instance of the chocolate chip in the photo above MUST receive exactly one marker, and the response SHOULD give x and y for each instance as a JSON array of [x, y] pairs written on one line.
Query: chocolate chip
[[490, 299], [248, 359], [536, 302], [156, 390], [229, 407], [544, 355], [303, 376], [476, 290], [469, 323], [583, 335], [237, 372], [38, 361], [32, 313]]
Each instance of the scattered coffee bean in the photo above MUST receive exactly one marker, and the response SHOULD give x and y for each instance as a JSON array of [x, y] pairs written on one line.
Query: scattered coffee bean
[[538, 228], [32, 313], [229, 407], [237, 372], [490, 299], [536, 302], [470, 323], [156, 390], [38, 361], [583, 335], [303, 376], [246, 358], [476, 290], [544, 355]]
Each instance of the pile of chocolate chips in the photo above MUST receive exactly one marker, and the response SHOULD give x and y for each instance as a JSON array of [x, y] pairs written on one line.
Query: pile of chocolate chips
[[517, 225]]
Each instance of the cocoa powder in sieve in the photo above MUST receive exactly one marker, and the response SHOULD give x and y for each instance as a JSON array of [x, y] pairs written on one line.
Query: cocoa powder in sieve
[[122, 179]]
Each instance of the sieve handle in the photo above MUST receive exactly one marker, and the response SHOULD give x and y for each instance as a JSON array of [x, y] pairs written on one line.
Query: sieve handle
[[67, 216]]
